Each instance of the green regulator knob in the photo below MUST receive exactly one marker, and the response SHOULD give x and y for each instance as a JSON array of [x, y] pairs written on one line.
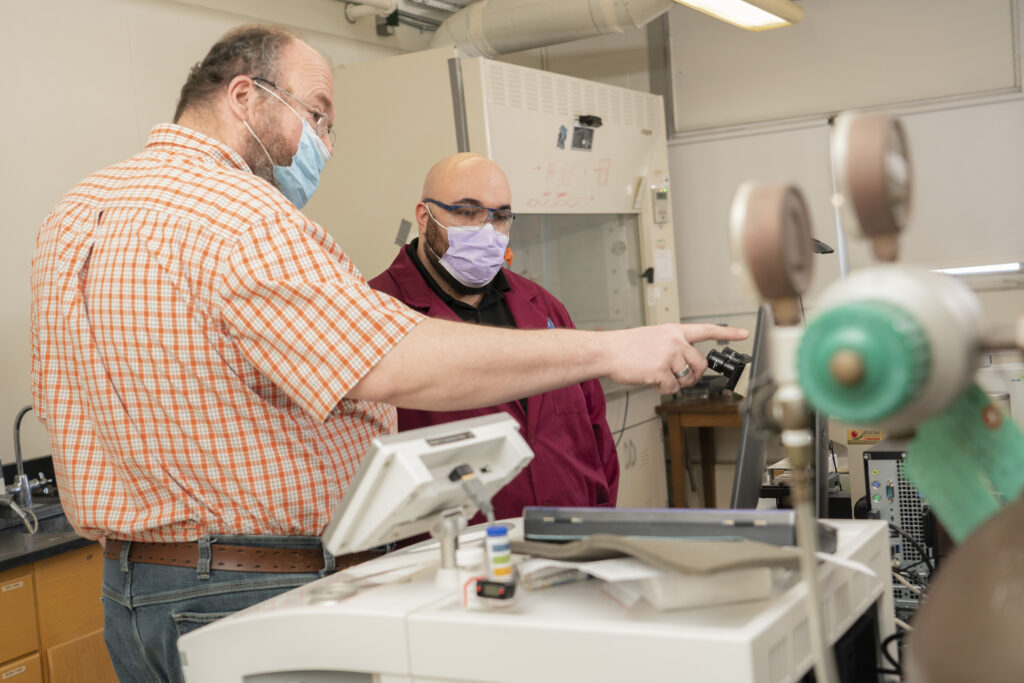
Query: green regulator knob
[[863, 361]]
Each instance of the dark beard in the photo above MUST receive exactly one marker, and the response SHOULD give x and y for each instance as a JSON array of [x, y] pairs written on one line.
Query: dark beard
[[435, 250], [257, 159]]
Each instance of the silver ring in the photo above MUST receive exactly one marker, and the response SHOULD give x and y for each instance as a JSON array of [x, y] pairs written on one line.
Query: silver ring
[[682, 373]]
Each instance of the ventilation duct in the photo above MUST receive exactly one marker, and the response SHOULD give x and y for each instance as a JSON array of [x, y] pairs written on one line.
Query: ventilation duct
[[493, 27]]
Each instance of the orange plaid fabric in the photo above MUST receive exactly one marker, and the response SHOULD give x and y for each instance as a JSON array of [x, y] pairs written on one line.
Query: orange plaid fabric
[[193, 339]]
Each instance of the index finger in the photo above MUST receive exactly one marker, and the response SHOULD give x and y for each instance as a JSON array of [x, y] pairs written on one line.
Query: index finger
[[703, 331]]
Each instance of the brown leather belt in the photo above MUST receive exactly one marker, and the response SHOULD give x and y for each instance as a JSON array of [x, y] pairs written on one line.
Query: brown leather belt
[[235, 558]]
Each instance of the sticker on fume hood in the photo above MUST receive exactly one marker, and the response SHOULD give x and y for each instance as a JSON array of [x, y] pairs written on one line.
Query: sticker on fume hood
[[663, 265], [563, 132], [582, 138]]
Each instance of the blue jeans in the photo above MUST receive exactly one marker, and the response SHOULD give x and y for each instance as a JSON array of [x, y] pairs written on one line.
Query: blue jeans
[[146, 607]]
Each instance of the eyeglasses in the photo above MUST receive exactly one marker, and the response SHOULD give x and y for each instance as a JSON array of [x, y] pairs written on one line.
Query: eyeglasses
[[472, 215], [319, 117]]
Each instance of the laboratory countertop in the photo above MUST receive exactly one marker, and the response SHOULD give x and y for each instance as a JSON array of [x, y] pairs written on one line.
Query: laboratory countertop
[[55, 535], [17, 549]]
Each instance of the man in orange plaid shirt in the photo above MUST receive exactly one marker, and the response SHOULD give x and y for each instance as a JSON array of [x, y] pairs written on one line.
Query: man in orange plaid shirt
[[211, 367]]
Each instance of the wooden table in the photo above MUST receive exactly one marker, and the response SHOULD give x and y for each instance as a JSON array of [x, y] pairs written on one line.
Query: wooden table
[[722, 410]]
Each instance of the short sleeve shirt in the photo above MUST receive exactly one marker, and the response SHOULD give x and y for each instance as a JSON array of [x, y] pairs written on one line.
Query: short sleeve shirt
[[194, 337]]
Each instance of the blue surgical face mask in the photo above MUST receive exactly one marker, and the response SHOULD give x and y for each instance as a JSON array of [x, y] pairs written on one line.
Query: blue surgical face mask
[[299, 180]]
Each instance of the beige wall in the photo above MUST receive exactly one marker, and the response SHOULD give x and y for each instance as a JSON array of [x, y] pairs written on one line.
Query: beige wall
[[843, 55], [966, 133]]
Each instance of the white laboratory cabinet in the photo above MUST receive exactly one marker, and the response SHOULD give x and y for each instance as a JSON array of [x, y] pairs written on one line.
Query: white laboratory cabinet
[[588, 168], [417, 630], [643, 481]]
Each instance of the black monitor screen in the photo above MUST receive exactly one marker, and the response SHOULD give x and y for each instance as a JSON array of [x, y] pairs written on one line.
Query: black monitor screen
[[759, 448]]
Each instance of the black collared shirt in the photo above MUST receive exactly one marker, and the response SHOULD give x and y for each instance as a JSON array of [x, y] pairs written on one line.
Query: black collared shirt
[[492, 309]]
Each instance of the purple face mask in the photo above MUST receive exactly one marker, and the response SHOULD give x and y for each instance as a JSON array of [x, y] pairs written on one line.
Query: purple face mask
[[475, 253]]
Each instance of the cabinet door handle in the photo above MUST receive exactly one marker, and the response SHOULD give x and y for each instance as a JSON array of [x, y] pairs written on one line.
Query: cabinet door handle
[[13, 672]]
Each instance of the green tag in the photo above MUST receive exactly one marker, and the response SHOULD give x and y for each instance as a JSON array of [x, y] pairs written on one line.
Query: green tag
[[967, 462]]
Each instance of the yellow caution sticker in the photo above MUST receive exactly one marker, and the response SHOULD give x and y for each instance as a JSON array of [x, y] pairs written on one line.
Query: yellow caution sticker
[[855, 436]]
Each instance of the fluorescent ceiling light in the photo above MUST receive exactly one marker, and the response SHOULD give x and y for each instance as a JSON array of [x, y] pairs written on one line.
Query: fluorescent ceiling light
[[753, 15], [984, 270]]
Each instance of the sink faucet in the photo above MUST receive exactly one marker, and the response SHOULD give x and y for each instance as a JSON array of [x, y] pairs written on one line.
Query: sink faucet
[[21, 489]]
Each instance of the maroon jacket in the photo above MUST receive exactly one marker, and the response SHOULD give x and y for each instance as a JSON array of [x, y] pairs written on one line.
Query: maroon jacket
[[574, 461]]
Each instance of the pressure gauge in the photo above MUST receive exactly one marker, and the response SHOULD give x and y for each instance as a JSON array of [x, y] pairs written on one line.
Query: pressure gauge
[[873, 178], [770, 239]]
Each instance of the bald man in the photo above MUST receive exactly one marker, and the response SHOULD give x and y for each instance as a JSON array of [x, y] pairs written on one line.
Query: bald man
[[453, 271]]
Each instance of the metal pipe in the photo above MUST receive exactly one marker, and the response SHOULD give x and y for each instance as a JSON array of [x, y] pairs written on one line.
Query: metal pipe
[[493, 27], [801, 486], [17, 439], [356, 9], [21, 489]]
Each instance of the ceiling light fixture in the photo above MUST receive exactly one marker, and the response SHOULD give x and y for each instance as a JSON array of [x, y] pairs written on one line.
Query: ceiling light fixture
[[753, 15], [991, 269]]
